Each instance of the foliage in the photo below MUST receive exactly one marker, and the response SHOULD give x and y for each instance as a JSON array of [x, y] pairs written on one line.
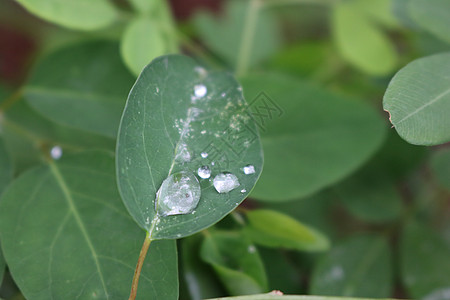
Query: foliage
[[229, 154]]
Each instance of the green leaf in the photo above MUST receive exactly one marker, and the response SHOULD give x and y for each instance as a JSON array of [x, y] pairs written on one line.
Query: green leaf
[[360, 42], [196, 273], [65, 235], [371, 196], [273, 229], [176, 111], [74, 14], [84, 86], [144, 6], [440, 165], [142, 41], [2, 267], [424, 263], [236, 261], [418, 100], [6, 167], [359, 267], [319, 139], [380, 11], [224, 34], [432, 15]]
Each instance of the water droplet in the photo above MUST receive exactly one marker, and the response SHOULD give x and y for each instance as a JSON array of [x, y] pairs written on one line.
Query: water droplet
[[225, 182], [179, 194], [56, 152], [203, 131], [200, 90], [182, 153], [243, 191], [204, 154], [204, 172], [251, 249], [249, 169]]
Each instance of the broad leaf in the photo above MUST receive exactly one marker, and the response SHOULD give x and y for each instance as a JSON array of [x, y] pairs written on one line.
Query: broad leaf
[[142, 41], [176, 112], [418, 100], [359, 267], [66, 235], [236, 262], [84, 86], [432, 15], [424, 263], [273, 229], [318, 139], [224, 34], [75, 14], [6, 166], [360, 42], [440, 165]]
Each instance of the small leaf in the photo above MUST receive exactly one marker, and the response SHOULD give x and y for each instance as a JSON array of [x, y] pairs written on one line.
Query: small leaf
[[236, 262], [66, 235], [85, 89], [432, 15], [359, 267], [360, 41], [142, 41], [319, 138], [181, 117], [273, 229], [224, 34], [440, 165], [418, 100], [424, 263], [74, 14]]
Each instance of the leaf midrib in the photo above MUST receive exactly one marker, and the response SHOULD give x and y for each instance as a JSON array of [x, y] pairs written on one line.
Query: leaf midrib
[[67, 195]]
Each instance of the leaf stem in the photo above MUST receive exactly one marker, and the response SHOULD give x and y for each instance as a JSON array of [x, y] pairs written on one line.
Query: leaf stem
[[248, 37], [140, 263]]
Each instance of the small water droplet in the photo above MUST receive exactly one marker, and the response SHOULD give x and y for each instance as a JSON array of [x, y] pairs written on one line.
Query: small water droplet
[[56, 152], [157, 89], [249, 169], [225, 182], [204, 172], [200, 90], [179, 194], [243, 191], [223, 95], [251, 249], [204, 154], [203, 131]]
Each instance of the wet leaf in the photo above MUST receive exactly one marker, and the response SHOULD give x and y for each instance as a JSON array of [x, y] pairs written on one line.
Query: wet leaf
[[358, 267], [66, 235], [75, 14], [274, 229], [175, 112], [418, 100], [236, 262], [311, 137], [84, 86]]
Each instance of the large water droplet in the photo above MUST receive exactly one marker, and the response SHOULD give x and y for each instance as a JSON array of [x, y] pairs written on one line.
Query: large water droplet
[[200, 90], [204, 172], [179, 194], [249, 169], [225, 182]]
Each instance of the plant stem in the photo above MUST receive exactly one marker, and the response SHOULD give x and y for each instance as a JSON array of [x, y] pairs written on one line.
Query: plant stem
[[140, 263], [248, 37]]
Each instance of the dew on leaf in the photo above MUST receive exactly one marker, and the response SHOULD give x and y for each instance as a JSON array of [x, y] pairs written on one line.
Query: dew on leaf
[[56, 152], [204, 154], [182, 153], [204, 172], [200, 91], [249, 169], [243, 191], [225, 182], [179, 194]]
